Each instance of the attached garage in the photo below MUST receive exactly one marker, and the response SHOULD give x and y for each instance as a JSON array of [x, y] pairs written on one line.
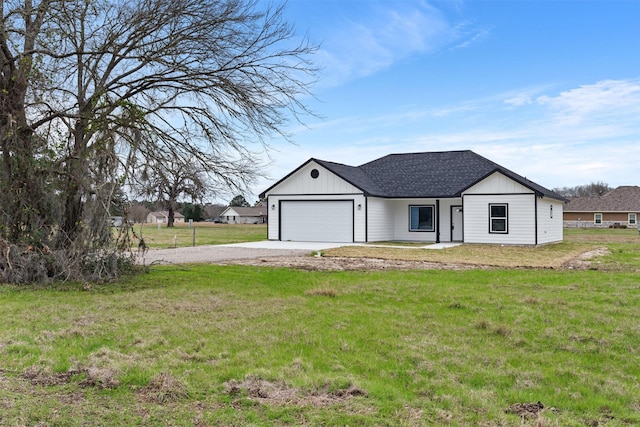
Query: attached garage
[[317, 220], [453, 191]]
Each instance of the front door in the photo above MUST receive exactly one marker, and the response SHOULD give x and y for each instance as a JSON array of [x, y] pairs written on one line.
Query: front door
[[456, 223]]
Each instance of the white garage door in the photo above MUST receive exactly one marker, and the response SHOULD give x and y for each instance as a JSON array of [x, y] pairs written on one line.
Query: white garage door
[[316, 221]]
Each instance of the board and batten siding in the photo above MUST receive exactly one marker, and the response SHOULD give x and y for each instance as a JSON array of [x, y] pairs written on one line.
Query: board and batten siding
[[498, 188], [301, 183], [550, 227], [497, 183], [301, 186]]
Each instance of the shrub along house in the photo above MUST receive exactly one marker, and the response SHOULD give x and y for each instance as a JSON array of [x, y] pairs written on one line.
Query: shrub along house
[[454, 196], [617, 208]]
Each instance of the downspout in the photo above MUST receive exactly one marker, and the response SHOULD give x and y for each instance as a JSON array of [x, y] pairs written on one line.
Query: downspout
[[535, 213], [366, 219], [279, 220], [437, 220]]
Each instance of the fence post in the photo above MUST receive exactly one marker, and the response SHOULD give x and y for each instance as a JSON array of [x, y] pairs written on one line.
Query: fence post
[[194, 236]]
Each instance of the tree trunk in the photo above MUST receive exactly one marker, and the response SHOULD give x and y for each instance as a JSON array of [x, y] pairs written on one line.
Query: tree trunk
[[76, 173], [171, 216], [19, 194]]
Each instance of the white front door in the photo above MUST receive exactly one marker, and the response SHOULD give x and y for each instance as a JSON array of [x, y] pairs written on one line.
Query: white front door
[[456, 223]]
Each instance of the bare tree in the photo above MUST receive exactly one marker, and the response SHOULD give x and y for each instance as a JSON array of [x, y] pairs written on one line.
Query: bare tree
[[594, 189], [90, 90], [167, 181], [214, 210], [138, 213]]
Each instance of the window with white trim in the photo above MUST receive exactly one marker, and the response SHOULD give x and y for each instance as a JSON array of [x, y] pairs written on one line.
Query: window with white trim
[[421, 218], [633, 219], [498, 218], [597, 218]]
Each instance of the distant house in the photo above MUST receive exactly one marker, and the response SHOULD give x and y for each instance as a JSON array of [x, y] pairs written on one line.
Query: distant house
[[242, 215], [163, 217], [451, 196], [619, 207]]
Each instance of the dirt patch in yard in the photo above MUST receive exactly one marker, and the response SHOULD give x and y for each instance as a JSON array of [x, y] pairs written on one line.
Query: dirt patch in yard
[[279, 393], [92, 377], [525, 410], [583, 261], [313, 263]]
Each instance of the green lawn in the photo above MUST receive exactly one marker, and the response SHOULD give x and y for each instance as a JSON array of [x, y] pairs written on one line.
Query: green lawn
[[230, 345], [206, 233]]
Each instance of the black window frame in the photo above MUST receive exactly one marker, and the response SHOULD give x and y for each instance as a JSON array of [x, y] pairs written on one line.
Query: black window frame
[[505, 218], [433, 219]]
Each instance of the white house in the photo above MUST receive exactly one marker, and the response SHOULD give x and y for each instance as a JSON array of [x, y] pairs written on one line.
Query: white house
[[163, 217], [245, 215], [453, 196]]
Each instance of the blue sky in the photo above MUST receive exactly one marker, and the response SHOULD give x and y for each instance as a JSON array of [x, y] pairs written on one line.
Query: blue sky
[[548, 89]]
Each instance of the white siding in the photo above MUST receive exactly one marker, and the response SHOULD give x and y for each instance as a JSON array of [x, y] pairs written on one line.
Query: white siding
[[380, 225], [301, 183], [317, 221], [445, 217], [549, 229], [359, 220], [401, 221], [327, 186], [498, 183], [521, 219], [389, 220]]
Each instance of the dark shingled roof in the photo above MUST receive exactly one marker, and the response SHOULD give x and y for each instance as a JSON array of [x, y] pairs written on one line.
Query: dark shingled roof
[[622, 199], [424, 175]]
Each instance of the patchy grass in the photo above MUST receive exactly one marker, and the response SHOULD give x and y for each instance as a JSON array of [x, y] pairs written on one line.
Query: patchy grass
[[230, 345], [323, 292], [400, 243], [602, 235], [548, 256], [576, 242], [206, 233]]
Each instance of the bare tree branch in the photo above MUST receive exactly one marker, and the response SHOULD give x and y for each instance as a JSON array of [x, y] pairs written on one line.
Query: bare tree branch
[[93, 90]]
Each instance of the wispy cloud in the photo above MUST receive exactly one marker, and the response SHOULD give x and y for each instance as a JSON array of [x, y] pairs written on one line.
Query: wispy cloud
[[466, 34], [591, 102], [384, 33], [556, 138]]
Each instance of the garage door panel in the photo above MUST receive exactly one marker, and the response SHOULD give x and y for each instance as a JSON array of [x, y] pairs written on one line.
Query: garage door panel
[[317, 221]]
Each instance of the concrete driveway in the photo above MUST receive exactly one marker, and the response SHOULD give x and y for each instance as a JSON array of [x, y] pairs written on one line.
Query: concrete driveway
[[298, 246], [262, 249], [218, 253]]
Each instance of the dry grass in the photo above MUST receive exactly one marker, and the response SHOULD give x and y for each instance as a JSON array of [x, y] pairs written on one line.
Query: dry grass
[[164, 388], [549, 256], [576, 243], [229, 345], [322, 292]]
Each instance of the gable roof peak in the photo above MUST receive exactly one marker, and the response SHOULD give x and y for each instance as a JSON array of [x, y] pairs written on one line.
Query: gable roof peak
[[430, 174]]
